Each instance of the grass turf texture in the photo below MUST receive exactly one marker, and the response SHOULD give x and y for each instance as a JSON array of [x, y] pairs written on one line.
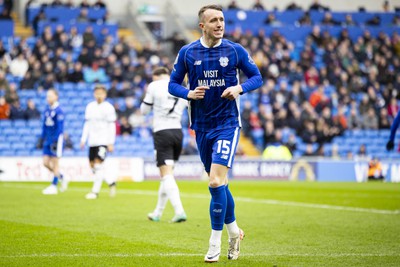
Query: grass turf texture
[[68, 230]]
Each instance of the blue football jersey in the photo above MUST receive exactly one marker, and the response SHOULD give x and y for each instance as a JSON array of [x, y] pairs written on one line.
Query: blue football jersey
[[53, 124], [217, 68], [395, 125]]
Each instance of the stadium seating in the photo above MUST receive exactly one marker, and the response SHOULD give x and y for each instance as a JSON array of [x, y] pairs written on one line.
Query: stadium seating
[[19, 137], [65, 13]]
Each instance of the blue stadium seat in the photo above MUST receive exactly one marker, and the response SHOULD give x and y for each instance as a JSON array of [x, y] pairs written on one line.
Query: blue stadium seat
[[7, 28], [7, 153], [19, 123], [18, 145], [67, 87], [9, 131], [5, 123], [34, 123], [22, 152], [36, 152], [68, 153], [5, 146]]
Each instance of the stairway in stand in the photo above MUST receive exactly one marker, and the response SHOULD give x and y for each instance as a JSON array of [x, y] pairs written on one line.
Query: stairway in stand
[[19, 29]]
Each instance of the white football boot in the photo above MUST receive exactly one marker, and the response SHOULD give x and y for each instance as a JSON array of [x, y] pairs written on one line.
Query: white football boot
[[91, 195], [113, 190], [50, 190], [64, 184], [234, 246], [213, 253]]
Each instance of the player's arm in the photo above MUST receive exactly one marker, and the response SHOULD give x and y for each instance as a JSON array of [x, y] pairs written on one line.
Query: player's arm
[[147, 103], [250, 69], [112, 117], [175, 87], [393, 129], [60, 129]]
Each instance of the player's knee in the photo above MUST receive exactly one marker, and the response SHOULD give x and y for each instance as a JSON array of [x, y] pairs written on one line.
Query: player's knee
[[47, 164], [215, 182]]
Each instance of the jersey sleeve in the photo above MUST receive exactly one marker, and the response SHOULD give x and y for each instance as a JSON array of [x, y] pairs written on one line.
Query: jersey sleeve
[[250, 69], [179, 71], [148, 100], [44, 127], [394, 127], [60, 122]]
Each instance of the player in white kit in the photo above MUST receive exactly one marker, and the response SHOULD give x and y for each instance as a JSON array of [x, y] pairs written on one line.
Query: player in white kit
[[99, 132], [168, 138]]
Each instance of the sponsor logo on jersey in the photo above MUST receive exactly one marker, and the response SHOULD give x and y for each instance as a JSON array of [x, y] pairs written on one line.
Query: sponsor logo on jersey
[[197, 63], [223, 61]]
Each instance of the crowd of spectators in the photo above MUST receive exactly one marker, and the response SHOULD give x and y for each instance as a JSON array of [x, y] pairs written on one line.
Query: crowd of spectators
[[69, 57], [355, 86], [327, 20], [315, 6]]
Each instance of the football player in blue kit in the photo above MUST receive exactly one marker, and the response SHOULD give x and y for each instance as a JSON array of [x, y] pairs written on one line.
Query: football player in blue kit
[[212, 64], [52, 141], [393, 129]]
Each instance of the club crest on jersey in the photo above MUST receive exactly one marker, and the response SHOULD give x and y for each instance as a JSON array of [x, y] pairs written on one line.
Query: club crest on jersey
[[251, 61], [223, 61]]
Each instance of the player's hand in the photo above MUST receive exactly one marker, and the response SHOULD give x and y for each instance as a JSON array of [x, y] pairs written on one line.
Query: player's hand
[[53, 147], [232, 92], [110, 148], [389, 145], [39, 144], [197, 93], [82, 145]]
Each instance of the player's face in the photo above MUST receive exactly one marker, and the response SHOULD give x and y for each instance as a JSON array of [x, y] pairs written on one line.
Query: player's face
[[51, 97], [100, 95], [213, 24]]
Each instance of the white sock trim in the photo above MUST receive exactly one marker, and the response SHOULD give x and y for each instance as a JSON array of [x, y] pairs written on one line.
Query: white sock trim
[[233, 229], [172, 190], [215, 238]]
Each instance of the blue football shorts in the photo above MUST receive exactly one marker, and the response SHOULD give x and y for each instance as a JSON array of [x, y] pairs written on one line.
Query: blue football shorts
[[54, 149], [217, 146]]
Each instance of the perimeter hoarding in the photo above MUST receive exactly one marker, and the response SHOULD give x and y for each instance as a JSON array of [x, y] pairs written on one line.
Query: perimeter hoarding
[[190, 168]]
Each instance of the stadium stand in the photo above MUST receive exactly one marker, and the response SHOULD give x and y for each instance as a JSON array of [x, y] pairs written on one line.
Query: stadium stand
[[321, 78]]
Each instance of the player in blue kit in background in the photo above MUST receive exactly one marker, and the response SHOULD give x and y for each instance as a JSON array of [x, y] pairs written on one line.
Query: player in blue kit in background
[[212, 64], [52, 141], [393, 129]]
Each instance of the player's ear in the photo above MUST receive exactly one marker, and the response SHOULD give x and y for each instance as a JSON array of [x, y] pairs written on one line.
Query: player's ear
[[201, 25]]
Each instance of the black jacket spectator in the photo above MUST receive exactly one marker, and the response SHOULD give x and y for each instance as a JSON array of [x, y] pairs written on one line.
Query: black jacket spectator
[[31, 111], [113, 92], [99, 4], [28, 82], [77, 75], [16, 112]]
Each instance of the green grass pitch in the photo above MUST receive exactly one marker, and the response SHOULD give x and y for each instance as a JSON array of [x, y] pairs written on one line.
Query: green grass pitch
[[286, 224]]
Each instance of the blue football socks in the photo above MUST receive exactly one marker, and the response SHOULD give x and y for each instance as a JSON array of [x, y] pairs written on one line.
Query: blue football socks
[[230, 206], [55, 180], [218, 207]]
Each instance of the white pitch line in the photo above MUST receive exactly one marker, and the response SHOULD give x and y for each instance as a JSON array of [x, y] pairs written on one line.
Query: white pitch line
[[135, 255], [239, 199]]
